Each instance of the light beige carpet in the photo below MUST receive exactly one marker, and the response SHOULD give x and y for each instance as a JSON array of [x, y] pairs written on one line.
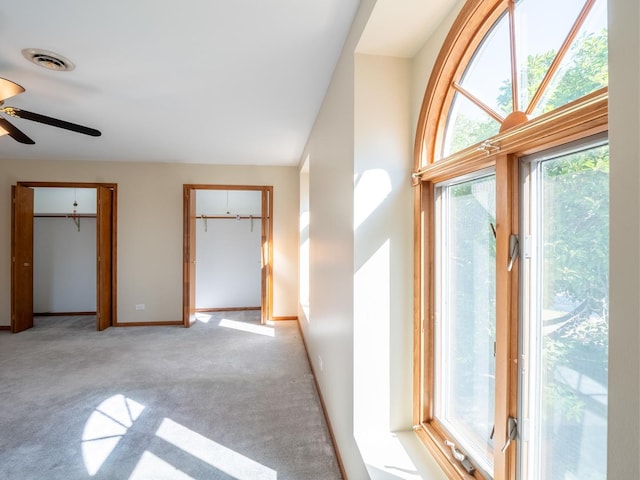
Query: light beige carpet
[[225, 399]]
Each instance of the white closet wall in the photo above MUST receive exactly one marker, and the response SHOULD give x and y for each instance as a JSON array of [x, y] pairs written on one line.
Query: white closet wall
[[64, 259], [228, 270]]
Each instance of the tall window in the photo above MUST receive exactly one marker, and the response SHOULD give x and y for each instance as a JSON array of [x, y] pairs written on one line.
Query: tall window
[[511, 212]]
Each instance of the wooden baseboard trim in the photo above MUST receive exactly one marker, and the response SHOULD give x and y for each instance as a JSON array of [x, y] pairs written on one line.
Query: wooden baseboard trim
[[324, 407], [227, 309], [63, 314], [284, 318], [149, 324], [5, 327]]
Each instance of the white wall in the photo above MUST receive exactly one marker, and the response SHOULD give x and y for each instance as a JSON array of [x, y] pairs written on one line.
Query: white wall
[[228, 253], [228, 270], [359, 322], [328, 327], [61, 200], [624, 317], [64, 265], [383, 272], [150, 228]]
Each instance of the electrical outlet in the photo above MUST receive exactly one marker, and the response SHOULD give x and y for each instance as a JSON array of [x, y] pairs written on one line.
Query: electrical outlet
[[140, 306]]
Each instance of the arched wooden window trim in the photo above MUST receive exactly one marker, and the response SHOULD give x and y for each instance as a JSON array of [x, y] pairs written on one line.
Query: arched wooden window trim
[[473, 22], [581, 118]]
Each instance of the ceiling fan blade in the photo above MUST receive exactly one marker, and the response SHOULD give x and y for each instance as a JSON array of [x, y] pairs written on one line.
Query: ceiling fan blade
[[9, 89], [14, 133], [36, 117]]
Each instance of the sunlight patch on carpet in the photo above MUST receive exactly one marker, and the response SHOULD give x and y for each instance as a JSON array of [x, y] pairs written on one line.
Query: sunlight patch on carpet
[[216, 455], [203, 317], [106, 426], [151, 466], [247, 327]]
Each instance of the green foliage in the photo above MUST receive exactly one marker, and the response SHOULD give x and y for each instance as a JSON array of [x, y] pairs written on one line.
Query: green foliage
[[577, 224], [537, 67], [584, 70], [469, 131], [586, 73], [575, 214]]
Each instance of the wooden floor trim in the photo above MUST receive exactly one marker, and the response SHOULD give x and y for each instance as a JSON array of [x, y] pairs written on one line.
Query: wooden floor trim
[[5, 327], [226, 309], [150, 324], [285, 318], [63, 314], [324, 407]]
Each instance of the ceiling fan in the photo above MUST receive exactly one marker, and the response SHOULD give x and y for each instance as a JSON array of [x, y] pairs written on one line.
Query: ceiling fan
[[9, 89]]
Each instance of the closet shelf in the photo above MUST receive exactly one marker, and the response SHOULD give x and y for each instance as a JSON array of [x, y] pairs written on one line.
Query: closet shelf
[[230, 217], [64, 215]]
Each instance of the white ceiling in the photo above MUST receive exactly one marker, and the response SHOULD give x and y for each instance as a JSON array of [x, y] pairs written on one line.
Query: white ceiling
[[398, 28], [197, 81]]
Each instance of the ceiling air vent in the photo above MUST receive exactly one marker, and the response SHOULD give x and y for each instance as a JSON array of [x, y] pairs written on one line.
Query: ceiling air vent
[[46, 59]]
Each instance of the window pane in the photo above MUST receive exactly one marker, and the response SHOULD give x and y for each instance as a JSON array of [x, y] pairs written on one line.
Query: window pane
[[537, 47], [467, 125], [465, 311], [488, 75], [584, 68], [570, 317]]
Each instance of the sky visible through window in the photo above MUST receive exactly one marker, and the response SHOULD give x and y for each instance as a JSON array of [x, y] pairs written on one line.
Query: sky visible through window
[[493, 58]]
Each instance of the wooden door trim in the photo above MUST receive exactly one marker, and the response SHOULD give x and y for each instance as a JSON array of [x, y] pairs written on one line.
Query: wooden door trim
[[188, 269], [114, 230], [267, 284]]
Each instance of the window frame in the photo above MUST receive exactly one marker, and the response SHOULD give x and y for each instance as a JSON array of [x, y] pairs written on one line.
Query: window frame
[[441, 224], [579, 119]]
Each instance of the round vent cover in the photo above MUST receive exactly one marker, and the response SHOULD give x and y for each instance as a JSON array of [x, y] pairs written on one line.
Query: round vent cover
[[47, 59]]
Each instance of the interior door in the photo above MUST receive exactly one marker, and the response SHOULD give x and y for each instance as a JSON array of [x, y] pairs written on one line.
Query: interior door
[[21, 259], [267, 253], [105, 277], [189, 257]]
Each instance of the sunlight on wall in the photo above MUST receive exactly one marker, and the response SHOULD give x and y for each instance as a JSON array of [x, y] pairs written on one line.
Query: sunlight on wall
[[371, 342], [303, 268], [304, 221], [216, 455], [304, 277], [247, 327], [106, 426], [371, 188]]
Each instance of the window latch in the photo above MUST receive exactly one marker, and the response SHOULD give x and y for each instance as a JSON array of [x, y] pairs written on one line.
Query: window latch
[[512, 426], [514, 250], [461, 457]]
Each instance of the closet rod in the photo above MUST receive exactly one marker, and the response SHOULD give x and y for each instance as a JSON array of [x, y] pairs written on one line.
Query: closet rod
[[247, 217], [64, 215]]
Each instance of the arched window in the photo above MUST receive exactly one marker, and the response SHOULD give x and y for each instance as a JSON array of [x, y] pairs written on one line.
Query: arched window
[[507, 62], [511, 217]]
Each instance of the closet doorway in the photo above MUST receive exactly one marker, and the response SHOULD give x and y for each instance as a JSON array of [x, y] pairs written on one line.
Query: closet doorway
[[100, 218], [228, 247]]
